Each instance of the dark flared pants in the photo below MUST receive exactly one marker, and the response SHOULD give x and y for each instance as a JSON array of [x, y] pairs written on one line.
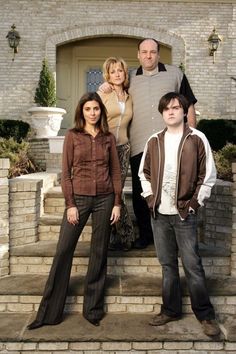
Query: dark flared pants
[[54, 296]]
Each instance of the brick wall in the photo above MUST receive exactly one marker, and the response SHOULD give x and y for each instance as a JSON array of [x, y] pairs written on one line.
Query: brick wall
[[233, 246], [38, 150], [24, 201], [4, 217], [185, 26], [217, 216]]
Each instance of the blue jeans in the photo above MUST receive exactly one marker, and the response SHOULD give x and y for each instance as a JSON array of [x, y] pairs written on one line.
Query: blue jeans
[[173, 236]]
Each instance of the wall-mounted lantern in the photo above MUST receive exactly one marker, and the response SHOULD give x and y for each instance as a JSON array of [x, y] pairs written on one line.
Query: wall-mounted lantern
[[214, 41], [13, 38]]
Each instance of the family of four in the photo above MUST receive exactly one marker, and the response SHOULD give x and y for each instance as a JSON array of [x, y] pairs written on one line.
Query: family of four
[[146, 118]]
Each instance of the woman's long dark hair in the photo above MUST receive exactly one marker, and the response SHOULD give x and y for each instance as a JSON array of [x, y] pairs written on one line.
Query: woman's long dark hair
[[79, 116]]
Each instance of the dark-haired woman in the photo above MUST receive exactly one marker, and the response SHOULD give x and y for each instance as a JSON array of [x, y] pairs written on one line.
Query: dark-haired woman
[[91, 184]]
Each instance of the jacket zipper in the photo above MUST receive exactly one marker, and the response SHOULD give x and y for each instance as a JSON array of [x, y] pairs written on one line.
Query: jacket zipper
[[177, 176], [158, 178]]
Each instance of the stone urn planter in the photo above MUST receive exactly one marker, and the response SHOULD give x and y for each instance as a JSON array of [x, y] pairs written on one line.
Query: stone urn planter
[[46, 121]]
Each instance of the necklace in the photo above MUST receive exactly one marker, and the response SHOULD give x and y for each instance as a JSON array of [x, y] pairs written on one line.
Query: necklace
[[120, 95]]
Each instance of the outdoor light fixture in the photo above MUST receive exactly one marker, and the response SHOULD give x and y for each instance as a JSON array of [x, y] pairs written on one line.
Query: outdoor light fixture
[[214, 40], [13, 38]]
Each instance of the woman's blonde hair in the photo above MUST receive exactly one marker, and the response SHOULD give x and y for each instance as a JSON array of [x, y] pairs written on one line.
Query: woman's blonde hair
[[114, 60]]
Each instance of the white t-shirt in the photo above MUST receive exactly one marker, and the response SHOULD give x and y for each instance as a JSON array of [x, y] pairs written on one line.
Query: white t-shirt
[[167, 205]]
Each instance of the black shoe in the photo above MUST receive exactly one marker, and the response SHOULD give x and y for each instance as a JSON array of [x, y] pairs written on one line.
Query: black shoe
[[127, 246], [34, 325], [140, 244], [94, 322], [115, 246]]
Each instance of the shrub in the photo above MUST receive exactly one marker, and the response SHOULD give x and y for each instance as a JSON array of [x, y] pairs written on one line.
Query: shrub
[[223, 160], [45, 94], [218, 131], [15, 129], [17, 152]]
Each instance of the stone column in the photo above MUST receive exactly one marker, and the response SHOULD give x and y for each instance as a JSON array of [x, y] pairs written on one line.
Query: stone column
[[25, 199], [4, 217], [233, 246]]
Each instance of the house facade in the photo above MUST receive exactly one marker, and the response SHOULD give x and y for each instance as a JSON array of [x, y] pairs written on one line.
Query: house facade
[[77, 36]]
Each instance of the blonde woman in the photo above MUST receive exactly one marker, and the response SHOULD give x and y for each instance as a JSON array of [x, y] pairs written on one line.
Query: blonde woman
[[119, 114]]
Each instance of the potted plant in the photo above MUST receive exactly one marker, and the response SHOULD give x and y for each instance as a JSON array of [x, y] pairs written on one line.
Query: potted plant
[[46, 117]]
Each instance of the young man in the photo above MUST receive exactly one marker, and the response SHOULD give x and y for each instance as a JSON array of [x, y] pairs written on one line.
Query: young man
[[177, 172]]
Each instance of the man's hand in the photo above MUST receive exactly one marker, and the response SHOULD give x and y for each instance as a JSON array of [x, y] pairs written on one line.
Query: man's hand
[[105, 87], [115, 214], [73, 215], [150, 201]]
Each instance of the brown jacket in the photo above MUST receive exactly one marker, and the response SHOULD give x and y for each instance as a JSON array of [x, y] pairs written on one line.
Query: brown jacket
[[196, 173], [90, 166]]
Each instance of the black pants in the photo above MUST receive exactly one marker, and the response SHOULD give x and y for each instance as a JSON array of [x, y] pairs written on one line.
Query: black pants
[[54, 297], [140, 207]]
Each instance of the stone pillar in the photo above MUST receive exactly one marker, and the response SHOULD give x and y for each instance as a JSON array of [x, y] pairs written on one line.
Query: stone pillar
[[25, 199], [4, 217], [233, 247]]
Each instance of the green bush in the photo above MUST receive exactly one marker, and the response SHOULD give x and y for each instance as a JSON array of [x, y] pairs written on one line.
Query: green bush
[[45, 94], [218, 131], [17, 152], [223, 160], [16, 129]]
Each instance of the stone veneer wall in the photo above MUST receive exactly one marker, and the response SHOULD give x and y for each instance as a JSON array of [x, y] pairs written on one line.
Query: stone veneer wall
[[4, 217]]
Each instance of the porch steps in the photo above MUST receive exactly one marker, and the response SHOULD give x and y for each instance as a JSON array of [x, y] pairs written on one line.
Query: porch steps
[[37, 258], [21, 293], [118, 333], [132, 297]]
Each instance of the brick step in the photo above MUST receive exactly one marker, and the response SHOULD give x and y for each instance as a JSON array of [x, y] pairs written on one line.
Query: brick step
[[37, 258], [117, 333], [123, 294], [50, 224], [54, 201]]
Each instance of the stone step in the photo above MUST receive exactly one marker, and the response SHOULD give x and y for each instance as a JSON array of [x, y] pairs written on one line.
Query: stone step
[[123, 294], [117, 333], [50, 224], [37, 258], [54, 201]]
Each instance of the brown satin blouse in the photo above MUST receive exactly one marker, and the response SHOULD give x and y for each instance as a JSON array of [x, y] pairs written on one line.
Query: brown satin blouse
[[90, 166]]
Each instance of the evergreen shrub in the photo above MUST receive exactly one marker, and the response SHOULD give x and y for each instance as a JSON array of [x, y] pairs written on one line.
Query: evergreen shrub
[[223, 160], [45, 94], [16, 129], [219, 132]]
